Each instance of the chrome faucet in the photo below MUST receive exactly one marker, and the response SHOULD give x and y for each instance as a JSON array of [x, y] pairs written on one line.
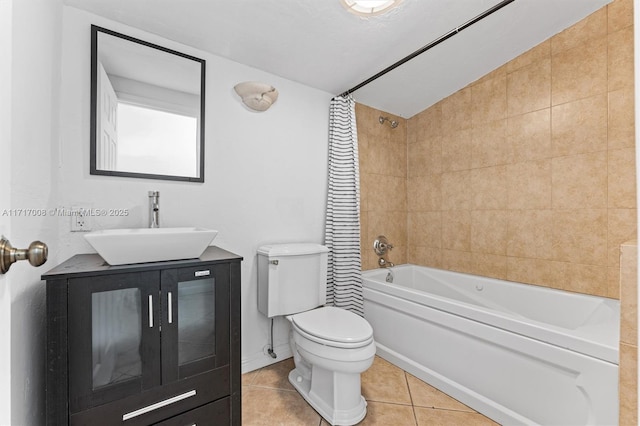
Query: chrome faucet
[[154, 209], [384, 263], [382, 246]]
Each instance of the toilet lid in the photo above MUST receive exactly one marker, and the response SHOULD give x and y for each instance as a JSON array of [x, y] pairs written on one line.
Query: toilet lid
[[334, 324]]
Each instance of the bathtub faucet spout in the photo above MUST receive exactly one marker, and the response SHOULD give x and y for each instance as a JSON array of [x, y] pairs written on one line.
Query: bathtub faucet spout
[[383, 263]]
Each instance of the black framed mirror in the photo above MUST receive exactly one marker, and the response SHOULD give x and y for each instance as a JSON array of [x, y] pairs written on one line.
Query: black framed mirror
[[147, 109]]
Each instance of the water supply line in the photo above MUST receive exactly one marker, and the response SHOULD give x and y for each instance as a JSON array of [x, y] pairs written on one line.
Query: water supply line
[[270, 351]]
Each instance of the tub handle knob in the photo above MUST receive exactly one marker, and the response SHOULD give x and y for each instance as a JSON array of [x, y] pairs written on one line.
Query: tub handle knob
[[381, 245]]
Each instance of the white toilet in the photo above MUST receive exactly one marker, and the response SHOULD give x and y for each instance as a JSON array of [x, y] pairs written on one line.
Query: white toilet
[[331, 346]]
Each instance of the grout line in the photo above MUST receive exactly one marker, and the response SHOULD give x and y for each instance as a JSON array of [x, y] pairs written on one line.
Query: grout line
[[406, 380], [390, 403], [413, 407], [270, 388], [252, 379], [433, 407], [454, 410]]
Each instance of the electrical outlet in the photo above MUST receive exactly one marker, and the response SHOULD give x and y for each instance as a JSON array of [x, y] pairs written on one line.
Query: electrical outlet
[[80, 222]]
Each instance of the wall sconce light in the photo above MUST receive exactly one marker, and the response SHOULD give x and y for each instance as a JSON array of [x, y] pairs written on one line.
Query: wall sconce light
[[255, 95]]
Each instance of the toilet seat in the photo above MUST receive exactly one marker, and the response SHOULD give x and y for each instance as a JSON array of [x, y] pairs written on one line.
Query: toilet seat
[[334, 327]]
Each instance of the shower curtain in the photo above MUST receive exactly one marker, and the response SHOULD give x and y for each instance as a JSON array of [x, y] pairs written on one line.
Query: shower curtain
[[342, 231]]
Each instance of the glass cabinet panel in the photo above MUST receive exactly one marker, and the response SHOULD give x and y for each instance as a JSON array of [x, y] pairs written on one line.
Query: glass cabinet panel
[[116, 334], [196, 338], [114, 337], [196, 320]]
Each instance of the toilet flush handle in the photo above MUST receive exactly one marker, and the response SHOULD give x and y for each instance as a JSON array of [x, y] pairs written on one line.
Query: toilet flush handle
[[273, 262]]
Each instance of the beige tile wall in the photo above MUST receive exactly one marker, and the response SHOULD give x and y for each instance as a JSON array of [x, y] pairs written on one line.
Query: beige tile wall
[[629, 334], [383, 180], [528, 174]]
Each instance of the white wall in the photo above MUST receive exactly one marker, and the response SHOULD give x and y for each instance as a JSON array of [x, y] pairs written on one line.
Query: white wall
[[265, 173], [5, 203], [30, 96]]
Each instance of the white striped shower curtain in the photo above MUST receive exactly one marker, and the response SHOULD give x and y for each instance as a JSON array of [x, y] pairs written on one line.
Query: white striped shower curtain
[[342, 232]]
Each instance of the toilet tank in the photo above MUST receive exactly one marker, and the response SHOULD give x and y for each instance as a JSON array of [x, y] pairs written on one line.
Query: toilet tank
[[292, 278]]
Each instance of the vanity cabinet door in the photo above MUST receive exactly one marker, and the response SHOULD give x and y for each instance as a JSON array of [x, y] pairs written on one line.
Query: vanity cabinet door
[[114, 337], [195, 321]]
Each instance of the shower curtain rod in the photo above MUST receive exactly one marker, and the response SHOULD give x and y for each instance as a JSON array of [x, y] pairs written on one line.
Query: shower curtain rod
[[430, 45]]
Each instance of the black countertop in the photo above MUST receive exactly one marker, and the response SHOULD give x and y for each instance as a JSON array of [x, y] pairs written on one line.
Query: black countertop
[[94, 264]]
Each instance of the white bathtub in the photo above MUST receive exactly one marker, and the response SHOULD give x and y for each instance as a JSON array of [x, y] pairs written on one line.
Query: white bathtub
[[520, 354]]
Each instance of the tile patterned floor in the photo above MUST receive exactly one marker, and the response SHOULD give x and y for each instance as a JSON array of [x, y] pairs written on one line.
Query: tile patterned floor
[[394, 398]]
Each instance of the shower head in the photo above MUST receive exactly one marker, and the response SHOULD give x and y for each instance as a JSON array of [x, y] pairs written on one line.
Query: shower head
[[393, 123]]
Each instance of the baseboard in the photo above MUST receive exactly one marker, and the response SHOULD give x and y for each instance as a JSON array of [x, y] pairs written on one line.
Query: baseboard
[[262, 359]]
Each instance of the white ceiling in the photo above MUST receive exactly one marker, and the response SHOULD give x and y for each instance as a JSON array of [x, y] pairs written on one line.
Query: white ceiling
[[319, 44]]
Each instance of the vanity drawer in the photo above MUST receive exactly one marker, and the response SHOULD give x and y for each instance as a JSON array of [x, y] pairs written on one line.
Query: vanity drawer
[[202, 416], [163, 402]]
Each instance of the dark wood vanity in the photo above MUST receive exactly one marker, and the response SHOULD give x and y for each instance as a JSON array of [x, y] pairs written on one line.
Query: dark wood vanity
[[144, 344]]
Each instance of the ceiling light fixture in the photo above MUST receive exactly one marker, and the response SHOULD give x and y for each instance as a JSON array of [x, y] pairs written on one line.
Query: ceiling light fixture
[[369, 7]]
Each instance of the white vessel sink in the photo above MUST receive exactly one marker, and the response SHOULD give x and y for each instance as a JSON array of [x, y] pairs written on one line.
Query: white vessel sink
[[123, 246]]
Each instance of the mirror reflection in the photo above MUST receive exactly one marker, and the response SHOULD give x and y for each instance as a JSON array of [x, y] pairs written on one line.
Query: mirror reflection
[[146, 110]]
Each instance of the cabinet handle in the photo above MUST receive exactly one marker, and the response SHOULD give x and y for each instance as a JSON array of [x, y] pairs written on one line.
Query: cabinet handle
[[152, 407], [169, 300], [150, 311], [204, 273]]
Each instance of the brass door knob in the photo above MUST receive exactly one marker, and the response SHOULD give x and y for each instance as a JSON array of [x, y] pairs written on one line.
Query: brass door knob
[[36, 254]]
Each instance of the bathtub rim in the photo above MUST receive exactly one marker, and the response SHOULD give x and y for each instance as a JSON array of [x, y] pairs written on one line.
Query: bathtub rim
[[600, 340]]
